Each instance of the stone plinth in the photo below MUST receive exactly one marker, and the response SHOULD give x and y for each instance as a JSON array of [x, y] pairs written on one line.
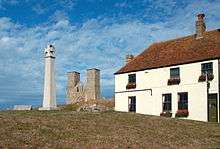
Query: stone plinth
[[48, 108], [22, 107]]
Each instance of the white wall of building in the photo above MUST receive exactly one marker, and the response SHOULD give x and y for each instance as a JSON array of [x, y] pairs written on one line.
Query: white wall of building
[[156, 79]]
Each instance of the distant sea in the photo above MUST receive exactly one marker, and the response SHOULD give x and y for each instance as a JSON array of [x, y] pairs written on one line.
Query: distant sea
[[7, 103]]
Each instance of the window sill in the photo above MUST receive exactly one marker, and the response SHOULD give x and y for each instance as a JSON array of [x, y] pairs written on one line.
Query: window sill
[[202, 78], [182, 113], [173, 81], [131, 86]]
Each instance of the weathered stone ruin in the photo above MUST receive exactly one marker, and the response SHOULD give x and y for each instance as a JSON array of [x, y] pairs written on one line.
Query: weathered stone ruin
[[78, 91]]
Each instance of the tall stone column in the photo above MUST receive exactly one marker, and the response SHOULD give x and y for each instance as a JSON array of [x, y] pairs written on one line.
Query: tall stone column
[[49, 99]]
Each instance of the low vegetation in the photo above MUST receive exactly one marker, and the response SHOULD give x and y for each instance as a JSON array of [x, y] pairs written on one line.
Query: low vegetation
[[73, 107], [67, 129]]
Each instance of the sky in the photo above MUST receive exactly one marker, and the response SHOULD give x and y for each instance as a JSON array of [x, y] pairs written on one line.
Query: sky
[[86, 34]]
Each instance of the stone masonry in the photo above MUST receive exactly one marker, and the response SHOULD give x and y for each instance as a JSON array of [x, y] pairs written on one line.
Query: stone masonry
[[77, 91], [93, 84]]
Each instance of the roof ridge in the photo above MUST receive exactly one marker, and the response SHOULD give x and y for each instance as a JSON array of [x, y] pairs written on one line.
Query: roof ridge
[[176, 51], [178, 38]]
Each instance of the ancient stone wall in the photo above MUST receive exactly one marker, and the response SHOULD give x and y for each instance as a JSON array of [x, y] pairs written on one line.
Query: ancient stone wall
[[93, 84], [77, 91]]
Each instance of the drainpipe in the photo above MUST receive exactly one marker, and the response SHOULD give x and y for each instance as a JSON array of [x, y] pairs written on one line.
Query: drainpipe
[[208, 86]]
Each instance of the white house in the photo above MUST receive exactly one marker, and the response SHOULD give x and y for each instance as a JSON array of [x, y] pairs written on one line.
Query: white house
[[177, 78]]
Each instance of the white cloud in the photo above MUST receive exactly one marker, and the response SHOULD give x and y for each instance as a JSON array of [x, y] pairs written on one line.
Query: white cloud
[[122, 4], [67, 3], [39, 9], [7, 2], [100, 43], [58, 16], [58, 6]]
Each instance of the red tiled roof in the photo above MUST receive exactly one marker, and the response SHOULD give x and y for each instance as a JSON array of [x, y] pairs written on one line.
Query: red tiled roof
[[178, 51]]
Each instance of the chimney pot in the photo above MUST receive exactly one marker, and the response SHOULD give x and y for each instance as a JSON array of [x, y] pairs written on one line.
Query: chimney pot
[[201, 16], [128, 58]]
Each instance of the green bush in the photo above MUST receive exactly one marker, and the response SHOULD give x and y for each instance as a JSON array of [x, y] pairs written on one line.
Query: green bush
[[182, 113], [70, 107], [166, 114]]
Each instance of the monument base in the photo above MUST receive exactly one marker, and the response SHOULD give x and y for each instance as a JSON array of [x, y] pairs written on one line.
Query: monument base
[[48, 108]]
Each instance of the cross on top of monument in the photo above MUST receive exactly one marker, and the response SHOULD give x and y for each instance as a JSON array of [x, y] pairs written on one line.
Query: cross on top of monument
[[49, 51]]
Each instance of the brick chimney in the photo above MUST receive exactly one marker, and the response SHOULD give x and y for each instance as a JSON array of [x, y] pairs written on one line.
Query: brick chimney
[[128, 58], [200, 25]]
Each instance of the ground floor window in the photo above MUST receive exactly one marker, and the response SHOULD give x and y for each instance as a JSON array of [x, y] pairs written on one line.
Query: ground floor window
[[183, 101], [182, 105], [132, 104], [167, 102]]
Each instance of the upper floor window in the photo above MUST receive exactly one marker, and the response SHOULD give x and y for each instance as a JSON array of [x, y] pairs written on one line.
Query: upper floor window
[[175, 72], [131, 81], [167, 102], [132, 78], [207, 68]]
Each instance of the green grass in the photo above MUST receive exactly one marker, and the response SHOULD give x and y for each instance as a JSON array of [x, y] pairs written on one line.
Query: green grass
[[67, 129]]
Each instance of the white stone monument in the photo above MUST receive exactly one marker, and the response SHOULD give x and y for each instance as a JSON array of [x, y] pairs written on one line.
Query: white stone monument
[[49, 100]]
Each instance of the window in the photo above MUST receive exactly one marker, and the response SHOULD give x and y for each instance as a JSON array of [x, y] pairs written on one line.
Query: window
[[167, 102], [207, 68], [174, 72], [131, 81], [132, 78], [183, 101], [132, 104], [174, 76]]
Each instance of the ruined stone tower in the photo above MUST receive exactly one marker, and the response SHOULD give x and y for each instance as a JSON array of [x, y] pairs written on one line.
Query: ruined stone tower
[[73, 78], [93, 84], [77, 91]]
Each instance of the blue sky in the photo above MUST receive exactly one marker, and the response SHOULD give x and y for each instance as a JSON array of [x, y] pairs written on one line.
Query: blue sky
[[86, 33]]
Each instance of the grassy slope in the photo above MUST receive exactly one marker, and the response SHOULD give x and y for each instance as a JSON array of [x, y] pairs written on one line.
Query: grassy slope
[[64, 129]]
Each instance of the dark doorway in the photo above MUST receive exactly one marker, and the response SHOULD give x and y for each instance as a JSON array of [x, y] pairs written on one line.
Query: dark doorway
[[212, 108], [132, 104]]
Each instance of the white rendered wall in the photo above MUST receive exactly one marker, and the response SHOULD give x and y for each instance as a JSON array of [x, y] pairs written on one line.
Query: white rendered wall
[[156, 79]]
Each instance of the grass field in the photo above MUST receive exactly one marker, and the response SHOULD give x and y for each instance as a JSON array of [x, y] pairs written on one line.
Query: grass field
[[67, 129]]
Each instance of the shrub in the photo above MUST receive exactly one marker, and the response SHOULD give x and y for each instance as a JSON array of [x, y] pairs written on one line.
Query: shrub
[[70, 107], [131, 86], [166, 114], [202, 78], [182, 113], [173, 81]]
